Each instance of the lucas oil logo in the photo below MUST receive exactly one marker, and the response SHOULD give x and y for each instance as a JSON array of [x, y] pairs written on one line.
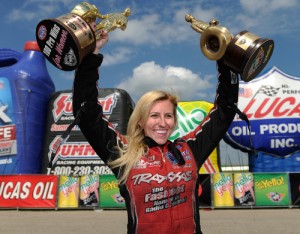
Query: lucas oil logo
[[62, 106], [272, 105]]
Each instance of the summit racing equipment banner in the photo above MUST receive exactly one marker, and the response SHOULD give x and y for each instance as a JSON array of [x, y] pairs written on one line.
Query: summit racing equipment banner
[[75, 156], [272, 105]]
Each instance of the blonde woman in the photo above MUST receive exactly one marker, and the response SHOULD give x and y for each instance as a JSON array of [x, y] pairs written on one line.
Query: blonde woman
[[157, 178]]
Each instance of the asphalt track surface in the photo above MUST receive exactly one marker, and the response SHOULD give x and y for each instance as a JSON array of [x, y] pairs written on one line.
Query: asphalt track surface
[[223, 221]]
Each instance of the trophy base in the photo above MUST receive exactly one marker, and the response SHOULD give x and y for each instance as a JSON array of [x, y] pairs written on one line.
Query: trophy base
[[248, 54], [65, 40]]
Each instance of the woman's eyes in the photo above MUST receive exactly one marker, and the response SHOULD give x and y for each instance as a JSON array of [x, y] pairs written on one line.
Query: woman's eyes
[[167, 116], [154, 115]]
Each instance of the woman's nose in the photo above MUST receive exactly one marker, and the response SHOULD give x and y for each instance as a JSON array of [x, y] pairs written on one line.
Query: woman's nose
[[162, 122]]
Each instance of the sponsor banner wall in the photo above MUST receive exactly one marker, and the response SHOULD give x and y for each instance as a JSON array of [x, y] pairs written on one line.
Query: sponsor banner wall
[[271, 189], [68, 191], [220, 190], [243, 189], [28, 191], [223, 190], [110, 196]]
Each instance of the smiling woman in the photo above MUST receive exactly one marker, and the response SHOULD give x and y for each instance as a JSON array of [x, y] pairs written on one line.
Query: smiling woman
[[149, 167], [157, 38], [161, 120]]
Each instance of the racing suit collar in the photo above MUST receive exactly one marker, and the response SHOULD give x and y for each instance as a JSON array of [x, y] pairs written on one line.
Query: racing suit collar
[[171, 148], [152, 143]]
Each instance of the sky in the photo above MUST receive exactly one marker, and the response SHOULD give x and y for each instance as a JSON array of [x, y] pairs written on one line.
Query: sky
[[159, 49]]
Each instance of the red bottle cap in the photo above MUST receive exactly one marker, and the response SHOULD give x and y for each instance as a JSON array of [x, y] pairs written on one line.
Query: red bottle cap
[[31, 45]]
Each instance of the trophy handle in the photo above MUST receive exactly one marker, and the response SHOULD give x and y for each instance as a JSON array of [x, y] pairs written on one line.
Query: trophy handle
[[214, 39]]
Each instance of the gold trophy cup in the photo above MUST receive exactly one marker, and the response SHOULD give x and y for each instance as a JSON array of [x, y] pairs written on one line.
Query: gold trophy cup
[[245, 53], [67, 39]]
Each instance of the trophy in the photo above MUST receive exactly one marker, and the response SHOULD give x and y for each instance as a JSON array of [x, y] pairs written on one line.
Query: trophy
[[67, 39], [245, 53]]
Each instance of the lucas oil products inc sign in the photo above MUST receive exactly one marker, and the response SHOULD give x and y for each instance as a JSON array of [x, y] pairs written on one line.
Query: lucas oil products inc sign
[[272, 105]]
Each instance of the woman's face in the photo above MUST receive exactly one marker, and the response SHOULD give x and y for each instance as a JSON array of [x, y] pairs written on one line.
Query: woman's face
[[160, 122]]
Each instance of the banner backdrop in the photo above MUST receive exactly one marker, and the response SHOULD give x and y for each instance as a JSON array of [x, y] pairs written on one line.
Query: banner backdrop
[[27, 191], [272, 105], [271, 189], [75, 156]]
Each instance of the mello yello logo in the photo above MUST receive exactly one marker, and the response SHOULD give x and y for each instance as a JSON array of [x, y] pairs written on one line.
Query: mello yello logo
[[190, 115], [223, 184], [69, 185], [264, 184], [109, 185], [244, 183]]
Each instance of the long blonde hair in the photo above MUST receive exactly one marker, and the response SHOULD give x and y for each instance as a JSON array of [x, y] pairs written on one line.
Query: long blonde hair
[[135, 148]]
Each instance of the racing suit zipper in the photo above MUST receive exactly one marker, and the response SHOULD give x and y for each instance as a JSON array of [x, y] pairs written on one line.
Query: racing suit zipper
[[162, 154], [167, 187]]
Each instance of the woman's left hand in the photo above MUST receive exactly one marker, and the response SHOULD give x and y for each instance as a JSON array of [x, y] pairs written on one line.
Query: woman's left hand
[[103, 39]]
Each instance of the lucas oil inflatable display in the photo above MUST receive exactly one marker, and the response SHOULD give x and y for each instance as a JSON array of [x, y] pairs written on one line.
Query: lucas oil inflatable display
[[272, 104], [25, 88]]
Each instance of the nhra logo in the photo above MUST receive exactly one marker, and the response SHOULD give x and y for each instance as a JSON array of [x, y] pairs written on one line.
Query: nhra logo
[[62, 105]]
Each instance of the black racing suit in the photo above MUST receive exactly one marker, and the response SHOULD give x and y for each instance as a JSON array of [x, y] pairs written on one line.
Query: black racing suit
[[161, 190]]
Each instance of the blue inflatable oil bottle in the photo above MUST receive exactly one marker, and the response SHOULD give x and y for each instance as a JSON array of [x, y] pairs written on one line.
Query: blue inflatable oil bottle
[[25, 90]]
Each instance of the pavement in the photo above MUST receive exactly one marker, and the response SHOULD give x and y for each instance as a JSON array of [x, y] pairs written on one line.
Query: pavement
[[223, 221]]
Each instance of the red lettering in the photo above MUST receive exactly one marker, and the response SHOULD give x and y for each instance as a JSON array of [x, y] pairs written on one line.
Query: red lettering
[[276, 107], [277, 112], [62, 104], [295, 111], [248, 108], [108, 103], [61, 45], [259, 112], [76, 150], [57, 60]]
